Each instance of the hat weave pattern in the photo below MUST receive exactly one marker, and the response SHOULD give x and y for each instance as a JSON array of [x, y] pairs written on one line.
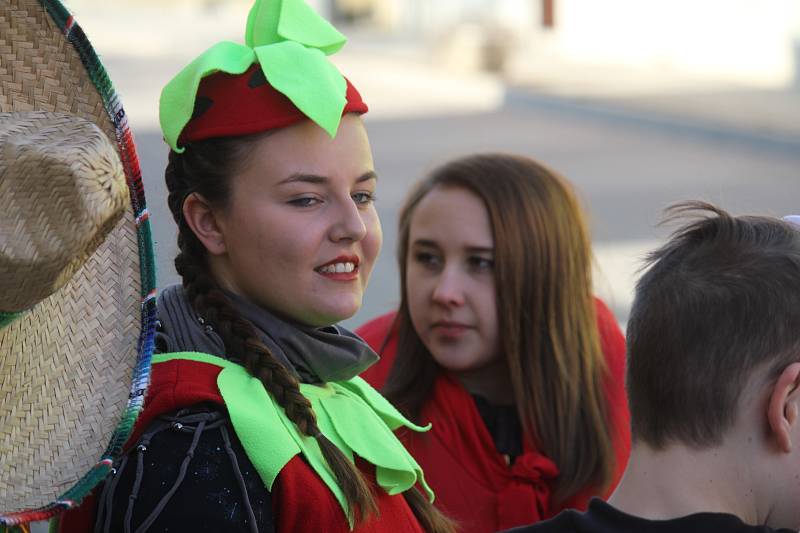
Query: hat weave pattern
[[60, 72]]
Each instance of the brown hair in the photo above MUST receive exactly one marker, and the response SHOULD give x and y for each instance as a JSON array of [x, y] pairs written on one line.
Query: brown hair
[[546, 313], [205, 168], [718, 303]]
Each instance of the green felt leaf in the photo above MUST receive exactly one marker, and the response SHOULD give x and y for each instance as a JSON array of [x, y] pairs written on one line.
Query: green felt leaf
[[388, 412], [350, 416], [262, 23], [178, 96], [273, 21], [252, 411], [312, 452], [308, 79], [299, 22]]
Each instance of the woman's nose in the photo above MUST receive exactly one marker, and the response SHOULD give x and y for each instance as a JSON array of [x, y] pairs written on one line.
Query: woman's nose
[[449, 289], [348, 224]]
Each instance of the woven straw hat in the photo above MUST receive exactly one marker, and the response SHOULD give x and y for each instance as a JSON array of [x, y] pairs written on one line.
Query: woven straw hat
[[77, 305]]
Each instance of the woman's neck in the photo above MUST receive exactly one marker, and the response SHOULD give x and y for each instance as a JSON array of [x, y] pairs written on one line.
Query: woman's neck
[[491, 382]]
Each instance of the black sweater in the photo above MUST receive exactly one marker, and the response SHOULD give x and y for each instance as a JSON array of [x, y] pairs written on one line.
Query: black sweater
[[603, 518]]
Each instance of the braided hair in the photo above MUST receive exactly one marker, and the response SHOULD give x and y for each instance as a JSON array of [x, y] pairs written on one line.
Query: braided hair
[[205, 167]]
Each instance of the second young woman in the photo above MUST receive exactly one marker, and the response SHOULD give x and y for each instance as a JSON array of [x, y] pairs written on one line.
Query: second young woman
[[499, 343]]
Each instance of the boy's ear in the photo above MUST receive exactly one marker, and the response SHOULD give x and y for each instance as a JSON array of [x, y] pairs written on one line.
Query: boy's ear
[[784, 404], [203, 221]]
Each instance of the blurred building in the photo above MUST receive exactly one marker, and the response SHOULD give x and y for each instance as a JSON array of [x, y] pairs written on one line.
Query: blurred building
[[756, 42]]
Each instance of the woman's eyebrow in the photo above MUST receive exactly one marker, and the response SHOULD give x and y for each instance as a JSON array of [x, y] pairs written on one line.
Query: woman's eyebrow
[[320, 180], [480, 249], [371, 175], [305, 178], [469, 249]]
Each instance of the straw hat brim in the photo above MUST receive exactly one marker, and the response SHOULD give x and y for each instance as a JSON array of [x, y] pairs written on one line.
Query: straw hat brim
[[74, 368]]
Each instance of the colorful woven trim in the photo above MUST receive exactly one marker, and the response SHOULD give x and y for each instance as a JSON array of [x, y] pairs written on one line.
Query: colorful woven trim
[[141, 377], [6, 319], [22, 528]]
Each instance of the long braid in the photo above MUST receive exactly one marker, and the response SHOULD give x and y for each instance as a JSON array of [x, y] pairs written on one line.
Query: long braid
[[428, 516], [241, 341]]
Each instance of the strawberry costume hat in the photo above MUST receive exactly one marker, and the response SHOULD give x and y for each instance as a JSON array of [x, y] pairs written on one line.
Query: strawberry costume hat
[[280, 76]]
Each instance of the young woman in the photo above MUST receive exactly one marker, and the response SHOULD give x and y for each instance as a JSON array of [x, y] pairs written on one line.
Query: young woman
[[499, 343], [255, 420]]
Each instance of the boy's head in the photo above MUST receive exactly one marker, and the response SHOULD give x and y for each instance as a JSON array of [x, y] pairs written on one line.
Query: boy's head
[[718, 306], [714, 340]]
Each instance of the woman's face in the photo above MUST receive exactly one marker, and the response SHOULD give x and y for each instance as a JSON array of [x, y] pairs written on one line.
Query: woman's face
[[450, 279], [300, 230]]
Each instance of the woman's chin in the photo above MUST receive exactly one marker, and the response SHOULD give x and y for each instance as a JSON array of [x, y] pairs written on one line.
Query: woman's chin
[[326, 315]]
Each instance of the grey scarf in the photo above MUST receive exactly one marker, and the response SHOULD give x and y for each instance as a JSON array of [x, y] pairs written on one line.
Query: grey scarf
[[314, 355]]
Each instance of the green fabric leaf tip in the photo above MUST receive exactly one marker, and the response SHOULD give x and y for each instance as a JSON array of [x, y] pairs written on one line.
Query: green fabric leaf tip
[[178, 96], [308, 79], [262, 23], [273, 21], [291, 41]]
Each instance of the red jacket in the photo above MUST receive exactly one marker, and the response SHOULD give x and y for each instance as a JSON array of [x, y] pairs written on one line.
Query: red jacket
[[300, 499], [472, 481]]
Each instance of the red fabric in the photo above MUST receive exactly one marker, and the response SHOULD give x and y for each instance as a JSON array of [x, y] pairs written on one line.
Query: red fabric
[[237, 108], [311, 507], [472, 482], [175, 385], [301, 501], [381, 334], [80, 519]]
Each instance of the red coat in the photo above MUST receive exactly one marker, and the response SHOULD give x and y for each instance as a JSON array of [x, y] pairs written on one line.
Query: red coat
[[300, 499], [472, 481]]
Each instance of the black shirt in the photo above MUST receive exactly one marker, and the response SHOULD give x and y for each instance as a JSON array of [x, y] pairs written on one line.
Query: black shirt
[[504, 426], [603, 518], [187, 472]]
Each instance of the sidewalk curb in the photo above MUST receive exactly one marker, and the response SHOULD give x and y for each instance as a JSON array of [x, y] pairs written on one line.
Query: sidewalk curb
[[785, 145]]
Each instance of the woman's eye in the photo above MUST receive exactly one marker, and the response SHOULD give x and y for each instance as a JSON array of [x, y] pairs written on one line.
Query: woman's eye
[[364, 198], [306, 201], [481, 263], [427, 259]]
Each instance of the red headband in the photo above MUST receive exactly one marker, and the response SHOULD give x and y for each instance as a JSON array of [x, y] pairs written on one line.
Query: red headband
[[230, 105]]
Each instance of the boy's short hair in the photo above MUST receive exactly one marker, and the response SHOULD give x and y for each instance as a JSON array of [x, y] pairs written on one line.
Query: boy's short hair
[[719, 301]]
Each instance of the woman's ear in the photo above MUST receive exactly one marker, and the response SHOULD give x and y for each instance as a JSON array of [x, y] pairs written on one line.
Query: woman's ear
[[202, 220], [784, 403]]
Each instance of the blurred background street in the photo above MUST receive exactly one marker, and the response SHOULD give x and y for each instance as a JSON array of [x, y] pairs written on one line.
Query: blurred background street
[[638, 104]]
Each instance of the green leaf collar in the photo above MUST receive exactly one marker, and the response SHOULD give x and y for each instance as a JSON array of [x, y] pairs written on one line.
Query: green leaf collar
[[355, 417]]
